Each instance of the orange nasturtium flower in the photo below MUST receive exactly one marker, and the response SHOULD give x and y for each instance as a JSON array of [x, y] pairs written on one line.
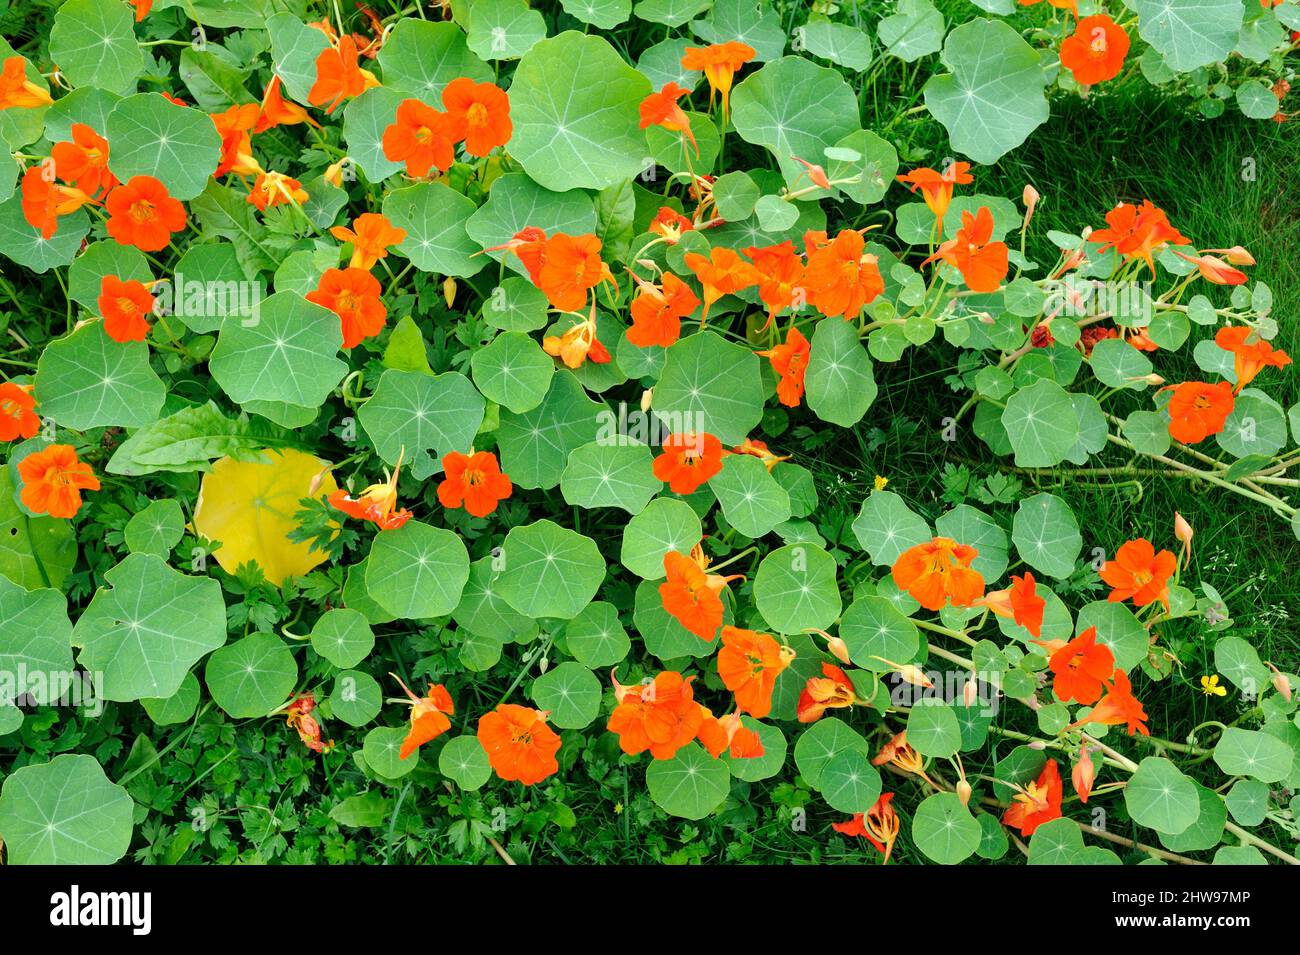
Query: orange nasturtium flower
[[1140, 573], [371, 235], [759, 449], [1198, 410], [338, 76], [1037, 802], [1214, 269], [1119, 707], [688, 460], [429, 717], [1137, 232], [376, 504], [474, 482], [519, 744], [721, 272], [749, 663], [275, 110], [478, 113], [841, 278], [44, 200], [1249, 357], [691, 595], [1081, 668], [420, 136], [1095, 51], [353, 295], [276, 189], [661, 109], [790, 362], [570, 267], [234, 126], [719, 734], [661, 716], [938, 571], [124, 306], [17, 415], [981, 262], [16, 90], [669, 224], [879, 825], [143, 213], [833, 690], [719, 62], [936, 187], [900, 754], [781, 274], [298, 716], [578, 343], [53, 479], [83, 162], [658, 310], [1020, 603]]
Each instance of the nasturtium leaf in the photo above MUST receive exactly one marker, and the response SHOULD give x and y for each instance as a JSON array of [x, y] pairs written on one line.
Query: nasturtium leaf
[[838, 42], [516, 201], [549, 570], [480, 653], [382, 751], [513, 371], [875, 631], [735, 195], [674, 151], [177, 708], [420, 57], [147, 627], [574, 103], [1148, 431], [1117, 630], [795, 589], [993, 837], [822, 742], [603, 14], [944, 830], [364, 120], [1241, 752], [251, 677], [1238, 855], [664, 524], [356, 698], [65, 812], [840, 384], [710, 385], [794, 107], [1162, 798], [152, 136], [849, 783], [1056, 842], [156, 529], [1207, 830], [86, 380], [914, 31], [1239, 662], [691, 785], [886, 526], [752, 22], [290, 354], [751, 500], [1256, 100], [1247, 800], [1190, 33], [1042, 424], [434, 217], [1046, 535], [504, 29], [482, 609], [28, 248], [932, 728], [35, 637], [571, 692], [752, 769], [1256, 426], [343, 637], [993, 98], [463, 761], [417, 414], [535, 445], [416, 571], [34, 551], [93, 41], [250, 507], [611, 474], [294, 49], [671, 13], [1117, 364], [595, 636], [874, 167]]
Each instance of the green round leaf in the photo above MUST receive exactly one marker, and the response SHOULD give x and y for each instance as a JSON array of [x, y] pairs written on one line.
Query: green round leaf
[[849, 783], [875, 631], [710, 385], [535, 445], [417, 571], [550, 571], [665, 524], [1161, 797], [152, 136], [1251, 753], [514, 202], [571, 693], [752, 501], [65, 812], [886, 526], [691, 785], [434, 217], [251, 677], [945, 830], [603, 474], [420, 57], [1042, 424], [1046, 535], [841, 386], [381, 749], [418, 414], [357, 698], [463, 761], [86, 380], [343, 637], [177, 708], [35, 637], [156, 529], [94, 44], [795, 589], [513, 371], [596, 637], [822, 742]]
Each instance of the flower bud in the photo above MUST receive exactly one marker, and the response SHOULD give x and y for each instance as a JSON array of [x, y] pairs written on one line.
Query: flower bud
[[839, 649], [646, 397], [1183, 531], [1281, 683], [1030, 197], [1083, 775], [449, 290], [963, 791]]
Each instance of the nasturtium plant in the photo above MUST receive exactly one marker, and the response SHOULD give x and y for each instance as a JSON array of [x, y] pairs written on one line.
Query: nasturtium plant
[[648, 430]]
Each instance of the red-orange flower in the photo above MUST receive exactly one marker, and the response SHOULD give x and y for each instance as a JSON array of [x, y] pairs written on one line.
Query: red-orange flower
[[519, 744], [938, 571], [790, 362], [691, 595], [124, 306], [669, 224], [53, 479], [841, 278], [749, 663], [1119, 707], [661, 716], [16, 90], [1137, 232], [353, 295], [83, 162], [658, 310], [833, 690], [722, 272], [376, 504], [781, 274], [275, 110], [1038, 802], [142, 213], [474, 482], [371, 236], [478, 113], [276, 189], [234, 126], [1214, 269], [420, 136], [298, 716], [719, 62], [936, 187], [688, 460], [578, 343], [44, 201], [429, 717], [719, 734], [661, 109], [879, 825], [1250, 353], [1198, 410], [1095, 51], [17, 417], [1138, 572], [1081, 668], [900, 754], [981, 262], [338, 76], [1019, 602], [759, 449], [569, 269]]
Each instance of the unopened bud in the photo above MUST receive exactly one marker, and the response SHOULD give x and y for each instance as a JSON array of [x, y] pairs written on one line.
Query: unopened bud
[[839, 649], [1183, 531], [970, 692], [1030, 197], [647, 396], [1281, 683], [963, 791], [449, 290]]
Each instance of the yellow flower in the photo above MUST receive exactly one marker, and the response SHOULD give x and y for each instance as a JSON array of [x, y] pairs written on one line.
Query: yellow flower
[[1210, 686], [881, 481]]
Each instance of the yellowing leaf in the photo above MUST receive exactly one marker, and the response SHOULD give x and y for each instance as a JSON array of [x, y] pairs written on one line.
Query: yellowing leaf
[[249, 505]]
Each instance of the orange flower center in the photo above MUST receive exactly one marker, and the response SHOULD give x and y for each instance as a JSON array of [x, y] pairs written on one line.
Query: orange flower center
[[475, 477], [347, 301], [142, 210], [126, 306], [423, 134], [476, 115]]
